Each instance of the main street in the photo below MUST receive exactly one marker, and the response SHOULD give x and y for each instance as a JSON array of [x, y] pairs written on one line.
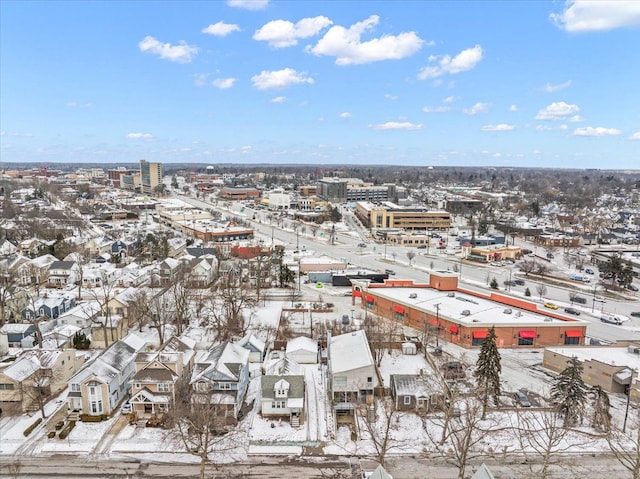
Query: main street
[[378, 256]]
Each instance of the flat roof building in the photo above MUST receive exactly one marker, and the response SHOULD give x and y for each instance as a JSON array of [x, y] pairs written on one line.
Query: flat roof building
[[441, 308]]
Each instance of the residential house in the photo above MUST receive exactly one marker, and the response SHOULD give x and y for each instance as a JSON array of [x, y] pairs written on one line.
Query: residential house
[[82, 315], [166, 272], [302, 350], [352, 374], [62, 273], [283, 396], [37, 270], [203, 271], [255, 346], [415, 392], [101, 385], [177, 247], [97, 275], [222, 375], [107, 329], [51, 306], [7, 248], [16, 333], [18, 268], [153, 387], [60, 337], [37, 373], [99, 245], [31, 247]]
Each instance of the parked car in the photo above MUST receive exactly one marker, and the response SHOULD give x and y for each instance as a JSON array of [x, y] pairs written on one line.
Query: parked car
[[550, 305], [422, 246], [632, 287], [589, 271], [572, 311], [521, 399], [126, 408], [605, 318], [580, 300], [519, 282], [636, 314], [390, 272], [362, 245]]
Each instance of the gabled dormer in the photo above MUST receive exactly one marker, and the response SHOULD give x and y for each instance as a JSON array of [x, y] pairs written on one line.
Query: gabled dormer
[[281, 389]]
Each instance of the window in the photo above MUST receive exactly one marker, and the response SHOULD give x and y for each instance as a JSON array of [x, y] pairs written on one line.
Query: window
[[6, 387], [407, 400], [340, 382], [278, 404], [571, 340], [75, 387], [369, 380], [421, 403], [526, 341], [225, 386], [477, 341], [163, 387]]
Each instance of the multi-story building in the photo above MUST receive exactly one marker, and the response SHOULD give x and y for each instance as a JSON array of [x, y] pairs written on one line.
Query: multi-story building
[[150, 176], [389, 215]]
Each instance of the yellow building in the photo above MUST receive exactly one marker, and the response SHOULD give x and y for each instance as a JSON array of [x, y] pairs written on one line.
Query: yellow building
[[389, 215]]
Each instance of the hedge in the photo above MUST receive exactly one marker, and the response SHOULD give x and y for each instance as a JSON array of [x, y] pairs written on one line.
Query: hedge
[[90, 418], [65, 432], [51, 434], [30, 429]]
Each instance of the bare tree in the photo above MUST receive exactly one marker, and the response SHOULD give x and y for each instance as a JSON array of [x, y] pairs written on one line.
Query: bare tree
[[160, 313], [103, 294], [410, 256], [626, 447], [37, 388], [542, 436], [527, 267], [199, 426], [181, 291], [541, 289], [381, 422], [463, 430]]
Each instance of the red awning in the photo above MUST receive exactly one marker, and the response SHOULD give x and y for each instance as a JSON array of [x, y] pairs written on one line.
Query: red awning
[[433, 321], [357, 294], [369, 299], [453, 329], [398, 309], [527, 334], [480, 334], [573, 333]]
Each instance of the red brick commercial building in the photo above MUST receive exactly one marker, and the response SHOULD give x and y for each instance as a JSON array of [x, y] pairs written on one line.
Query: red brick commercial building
[[441, 308]]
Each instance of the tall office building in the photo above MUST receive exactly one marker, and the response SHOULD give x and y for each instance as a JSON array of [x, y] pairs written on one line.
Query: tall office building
[[150, 176]]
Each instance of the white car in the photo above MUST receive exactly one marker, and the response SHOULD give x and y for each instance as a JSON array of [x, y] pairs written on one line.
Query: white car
[[126, 408]]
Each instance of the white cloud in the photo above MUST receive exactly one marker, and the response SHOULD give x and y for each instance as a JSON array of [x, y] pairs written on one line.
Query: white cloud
[[346, 45], [140, 136], [436, 109], [223, 83], [279, 79], [562, 127], [283, 33], [463, 61], [597, 131], [249, 4], [200, 79], [345, 115], [635, 136], [557, 111], [246, 148], [221, 29], [499, 127], [17, 134], [549, 88], [581, 16], [576, 118], [388, 96], [278, 99], [394, 125], [73, 104], [449, 99], [477, 108], [513, 108], [181, 53]]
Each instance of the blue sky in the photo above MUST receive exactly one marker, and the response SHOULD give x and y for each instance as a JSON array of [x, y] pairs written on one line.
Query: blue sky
[[552, 84]]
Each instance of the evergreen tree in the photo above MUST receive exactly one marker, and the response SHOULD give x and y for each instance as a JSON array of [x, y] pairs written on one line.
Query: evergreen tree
[[488, 371], [569, 392], [80, 341], [601, 416]]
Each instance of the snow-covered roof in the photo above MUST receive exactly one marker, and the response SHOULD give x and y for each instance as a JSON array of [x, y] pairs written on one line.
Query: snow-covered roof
[[15, 328], [349, 351], [251, 340], [302, 343], [30, 362], [284, 367], [613, 356], [223, 362]]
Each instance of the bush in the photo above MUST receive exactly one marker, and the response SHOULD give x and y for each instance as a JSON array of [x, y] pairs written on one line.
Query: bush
[[65, 432], [30, 429], [51, 434], [90, 418], [527, 292], [59, 425]]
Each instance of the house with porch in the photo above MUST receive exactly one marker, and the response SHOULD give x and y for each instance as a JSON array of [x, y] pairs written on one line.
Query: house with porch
[[221, 375], [62, 273], [153, 387], [100, 386], [283, 397], [418, 393], [351, 373]]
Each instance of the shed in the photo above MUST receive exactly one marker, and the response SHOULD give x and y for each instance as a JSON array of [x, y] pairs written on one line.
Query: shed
[[303, 350], [409, 348]]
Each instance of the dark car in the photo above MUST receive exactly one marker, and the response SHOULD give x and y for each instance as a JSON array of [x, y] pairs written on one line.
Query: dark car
[[519, 282], [636, 314], [572, 311]]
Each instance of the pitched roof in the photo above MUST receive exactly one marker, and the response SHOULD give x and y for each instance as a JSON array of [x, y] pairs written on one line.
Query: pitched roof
[[61, 265], [302, 343], [296, 386], [221, 363], [31, 361]]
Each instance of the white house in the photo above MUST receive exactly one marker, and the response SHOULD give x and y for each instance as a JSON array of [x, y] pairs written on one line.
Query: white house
[[303, 350], [62, 273], [283, 396], [352, 374]]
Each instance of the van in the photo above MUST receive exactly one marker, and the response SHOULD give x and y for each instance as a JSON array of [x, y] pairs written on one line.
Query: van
[[580, 300], [606, 318]]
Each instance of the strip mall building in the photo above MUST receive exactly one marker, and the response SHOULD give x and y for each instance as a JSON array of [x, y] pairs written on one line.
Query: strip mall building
[[464, 317]]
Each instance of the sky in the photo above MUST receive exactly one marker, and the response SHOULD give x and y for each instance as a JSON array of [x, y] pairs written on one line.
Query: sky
[[424, 83]]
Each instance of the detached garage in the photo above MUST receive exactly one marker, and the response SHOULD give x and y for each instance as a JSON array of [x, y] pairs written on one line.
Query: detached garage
[[303, 350]]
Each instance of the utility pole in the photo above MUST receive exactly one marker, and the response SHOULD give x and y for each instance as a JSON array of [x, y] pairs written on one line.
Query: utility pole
[[626, 411], [437, 306]]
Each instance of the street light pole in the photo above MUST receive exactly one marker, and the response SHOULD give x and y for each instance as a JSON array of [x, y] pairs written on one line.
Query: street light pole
[[626, 411]]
